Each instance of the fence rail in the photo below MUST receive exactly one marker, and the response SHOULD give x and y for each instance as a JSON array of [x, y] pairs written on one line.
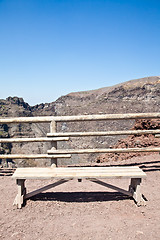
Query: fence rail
[[54, 136], [107, 133], [80, 118]]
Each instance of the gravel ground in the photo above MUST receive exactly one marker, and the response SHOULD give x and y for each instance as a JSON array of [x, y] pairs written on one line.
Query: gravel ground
[[83, 210]]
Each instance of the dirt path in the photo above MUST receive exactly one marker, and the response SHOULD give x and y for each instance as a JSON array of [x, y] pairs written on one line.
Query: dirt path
[[83, 210]]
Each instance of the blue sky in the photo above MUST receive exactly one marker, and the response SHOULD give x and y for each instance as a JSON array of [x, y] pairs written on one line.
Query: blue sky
[[49, 48]]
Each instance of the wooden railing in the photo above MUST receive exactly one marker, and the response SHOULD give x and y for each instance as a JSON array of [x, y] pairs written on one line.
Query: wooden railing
[[55, 136]]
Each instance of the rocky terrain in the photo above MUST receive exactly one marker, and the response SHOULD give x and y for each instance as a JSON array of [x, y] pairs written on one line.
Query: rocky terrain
[[83, 210], [140, 95], [134, 141]]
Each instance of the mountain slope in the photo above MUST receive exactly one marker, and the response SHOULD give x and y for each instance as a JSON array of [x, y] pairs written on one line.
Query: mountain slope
[[140, 95]]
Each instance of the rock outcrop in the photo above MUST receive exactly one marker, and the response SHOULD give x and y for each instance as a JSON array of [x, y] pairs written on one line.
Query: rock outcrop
[[134, 141], [141, 95]]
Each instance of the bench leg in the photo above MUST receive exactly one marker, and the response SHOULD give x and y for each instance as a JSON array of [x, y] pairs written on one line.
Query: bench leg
[[21, 193], [135, 189]]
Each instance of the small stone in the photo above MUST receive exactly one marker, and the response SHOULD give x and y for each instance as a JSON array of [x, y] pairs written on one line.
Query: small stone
[[139, 232]]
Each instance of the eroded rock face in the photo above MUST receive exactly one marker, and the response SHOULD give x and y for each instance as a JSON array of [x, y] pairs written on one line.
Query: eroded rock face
[[134, 96], [16, 107], [136, 141]]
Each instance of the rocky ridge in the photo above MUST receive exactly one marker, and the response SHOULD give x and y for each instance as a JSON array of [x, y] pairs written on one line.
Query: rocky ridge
[[140, 95]]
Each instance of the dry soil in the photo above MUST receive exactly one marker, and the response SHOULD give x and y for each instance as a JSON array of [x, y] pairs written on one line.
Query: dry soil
[[83, 210]]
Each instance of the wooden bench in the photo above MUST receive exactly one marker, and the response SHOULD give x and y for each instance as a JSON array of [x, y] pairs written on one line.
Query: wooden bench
[[94, 174], [69, 173]]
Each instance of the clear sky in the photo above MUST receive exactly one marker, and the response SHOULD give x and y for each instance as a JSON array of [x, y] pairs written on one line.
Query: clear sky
[[49, 48]]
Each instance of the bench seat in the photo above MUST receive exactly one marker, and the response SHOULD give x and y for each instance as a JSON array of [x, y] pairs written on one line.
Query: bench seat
[[78, 172], [90, 173]]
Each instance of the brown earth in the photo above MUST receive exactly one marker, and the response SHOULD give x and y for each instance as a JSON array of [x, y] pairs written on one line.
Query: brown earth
[[84, 210], [134, 141]]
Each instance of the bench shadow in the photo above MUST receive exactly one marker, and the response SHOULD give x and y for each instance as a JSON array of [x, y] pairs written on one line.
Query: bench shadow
[[80, 196]]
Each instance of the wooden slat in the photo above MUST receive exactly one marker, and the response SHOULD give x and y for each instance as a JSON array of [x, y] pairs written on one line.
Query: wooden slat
[[80, 118], [70, 173], [100, 150], [53, 127], [108, 117], [65, 169], [27, 119], [31, 194], [33, 156], [104, 133], [42, 139], [111, 186], [78, 176]]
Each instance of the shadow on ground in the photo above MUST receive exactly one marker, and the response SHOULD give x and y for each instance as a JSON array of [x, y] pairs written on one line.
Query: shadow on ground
[[80, 196]]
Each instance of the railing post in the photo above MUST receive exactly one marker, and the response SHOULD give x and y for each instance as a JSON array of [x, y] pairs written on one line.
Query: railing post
[[53, 144]]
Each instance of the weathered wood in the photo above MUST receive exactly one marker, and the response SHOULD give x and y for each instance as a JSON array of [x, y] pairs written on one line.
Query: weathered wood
[[21, 193], [105, 150], [106, 133], [6, 171], [80, 118], [33, 156], [78, 173], [31, 194], [53, 127], [27, 119], [42, 139], [89, 173], [135, 189], [108, 117], [111, 186]]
